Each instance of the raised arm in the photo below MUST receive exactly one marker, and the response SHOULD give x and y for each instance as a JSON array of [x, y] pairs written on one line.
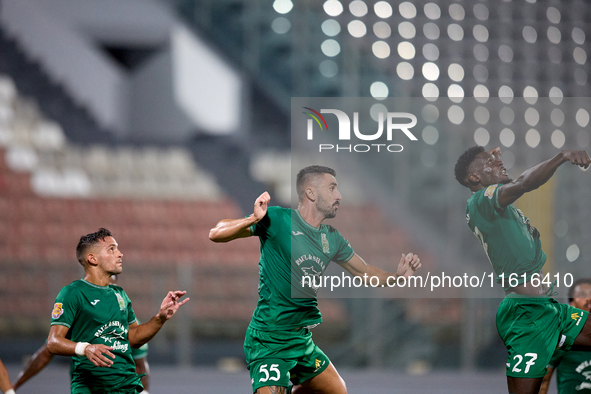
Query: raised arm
[[58, 344], [539, 174], [38, 361], [229, 229], [141, 333], [407, 266]]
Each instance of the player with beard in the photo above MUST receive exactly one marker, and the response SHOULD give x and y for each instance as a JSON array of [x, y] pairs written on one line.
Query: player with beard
[[573, 368], [294, 243], [531, 324]]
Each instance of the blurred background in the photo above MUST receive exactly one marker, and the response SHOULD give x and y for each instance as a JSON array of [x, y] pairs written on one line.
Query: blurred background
[[155, 119]]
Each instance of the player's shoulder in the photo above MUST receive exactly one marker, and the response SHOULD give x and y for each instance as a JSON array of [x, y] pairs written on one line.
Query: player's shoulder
[[329, 228], [72, 290], [484, 194], [74, 286], [277, 210], [116, 288]]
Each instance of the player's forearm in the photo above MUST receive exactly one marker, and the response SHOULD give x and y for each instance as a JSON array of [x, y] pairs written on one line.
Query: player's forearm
[[61, 346], [143, 333], [38, 361], [229, 229], [546, 382], [4, 379], [380, 274], [539, 174]]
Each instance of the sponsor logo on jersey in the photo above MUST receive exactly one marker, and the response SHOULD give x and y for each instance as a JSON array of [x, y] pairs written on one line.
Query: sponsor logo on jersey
[[297, 233], [580, 369], [310, 271], [120, 346], [58, 310], [122, 304], [325, 247], [94, 302], [490, 191], [114, 334], [575, 316]]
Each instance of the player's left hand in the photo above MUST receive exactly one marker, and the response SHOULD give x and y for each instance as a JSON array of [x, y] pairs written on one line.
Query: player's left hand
[[408, 265], [170, 304]]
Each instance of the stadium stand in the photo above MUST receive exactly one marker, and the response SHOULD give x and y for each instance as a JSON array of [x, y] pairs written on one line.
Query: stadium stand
[[157, 202]]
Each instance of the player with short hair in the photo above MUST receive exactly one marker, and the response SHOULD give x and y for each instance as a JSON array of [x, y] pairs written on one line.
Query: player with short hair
[[42, 357], [5, 380], [294, 244], [531, 324], [573, 368], [94, 322]]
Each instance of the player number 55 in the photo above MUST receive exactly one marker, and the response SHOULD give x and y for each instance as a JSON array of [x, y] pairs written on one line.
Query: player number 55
[[263, 369]]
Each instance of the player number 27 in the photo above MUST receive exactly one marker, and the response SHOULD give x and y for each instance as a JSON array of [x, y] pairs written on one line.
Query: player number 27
[[263, 369], [528, 364]]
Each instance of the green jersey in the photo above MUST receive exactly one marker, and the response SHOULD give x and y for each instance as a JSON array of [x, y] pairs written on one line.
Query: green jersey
[[290, 250], [512, 245], [97, 315], [573, 371]]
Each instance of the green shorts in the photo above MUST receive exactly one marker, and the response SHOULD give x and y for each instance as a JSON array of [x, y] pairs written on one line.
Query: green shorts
[[533, 328], [276, 357]]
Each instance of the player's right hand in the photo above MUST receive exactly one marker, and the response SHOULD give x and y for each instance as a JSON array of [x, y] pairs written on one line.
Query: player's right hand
[[97, 354], [408, 265], [578, 157], [260, 205]]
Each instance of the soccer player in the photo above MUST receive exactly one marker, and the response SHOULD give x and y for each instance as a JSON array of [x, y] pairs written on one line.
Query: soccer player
[[573, 368], [294, 243], [5, 380], [531, 324], [42, 357], [94, 321]]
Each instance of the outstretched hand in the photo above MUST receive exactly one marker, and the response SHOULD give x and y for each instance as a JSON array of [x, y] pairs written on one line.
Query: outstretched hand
[[260, 206], [170, 304], [408, 265]]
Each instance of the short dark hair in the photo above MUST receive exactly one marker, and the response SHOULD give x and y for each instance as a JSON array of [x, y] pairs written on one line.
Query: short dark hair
[[88, 240], [464, 161], [308, 172], [571, 290]]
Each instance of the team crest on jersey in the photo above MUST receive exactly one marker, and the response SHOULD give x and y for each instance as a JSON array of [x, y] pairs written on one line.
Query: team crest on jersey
[[122, 304], [58, 310], [325, 247], [490, 191]]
